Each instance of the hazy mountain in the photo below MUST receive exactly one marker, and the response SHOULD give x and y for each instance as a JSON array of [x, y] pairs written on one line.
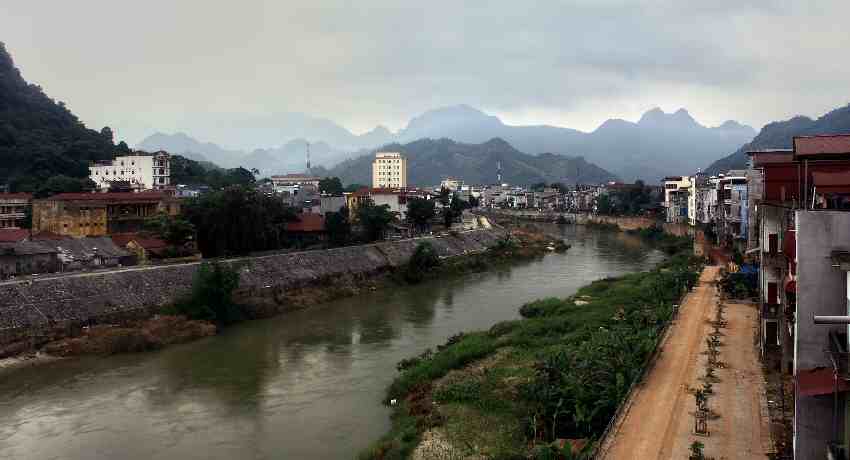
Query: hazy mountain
[[39, 137], [658, 144], [290, 157], [428, 161], [779, 135]]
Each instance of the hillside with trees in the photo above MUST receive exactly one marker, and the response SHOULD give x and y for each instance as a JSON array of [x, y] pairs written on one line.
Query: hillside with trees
[[780, 134], [429, 160], [40, 138]]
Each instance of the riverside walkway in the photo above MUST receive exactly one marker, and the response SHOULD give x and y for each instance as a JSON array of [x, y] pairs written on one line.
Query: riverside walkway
[[658, 421]]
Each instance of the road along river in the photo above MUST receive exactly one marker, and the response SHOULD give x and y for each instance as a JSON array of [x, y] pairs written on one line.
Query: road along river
[[305, 385]]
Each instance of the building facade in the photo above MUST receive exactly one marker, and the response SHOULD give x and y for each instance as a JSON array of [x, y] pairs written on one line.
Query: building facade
[[98, 214], [676, 197], [13, 209], [142, 171], [389, 170]]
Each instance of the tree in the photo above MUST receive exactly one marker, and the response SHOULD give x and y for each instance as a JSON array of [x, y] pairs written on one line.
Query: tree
[[212, 295], [106, 133], [445, 196], [538, 187], [238, 220], [175, 230], [420, 212], [64, 184], [474, 202], [375, 220], [423, 260], [331, 186], [351, 188], [123, 149], [338, 227]]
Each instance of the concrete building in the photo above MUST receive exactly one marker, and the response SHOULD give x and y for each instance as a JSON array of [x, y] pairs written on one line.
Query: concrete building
[[389, 170], [13, 208], [142, 171], [676, 195], [98, 214], [732, 209], [451, 183], [26, 258], [295, 179]]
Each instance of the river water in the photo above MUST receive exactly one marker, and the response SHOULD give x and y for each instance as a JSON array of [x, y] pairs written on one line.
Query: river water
[[306, 385]]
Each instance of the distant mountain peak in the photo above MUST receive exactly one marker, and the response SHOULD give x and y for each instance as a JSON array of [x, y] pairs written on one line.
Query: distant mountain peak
[[652, 115]]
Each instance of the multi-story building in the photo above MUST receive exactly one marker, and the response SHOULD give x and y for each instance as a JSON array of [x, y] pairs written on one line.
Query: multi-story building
[[804, 248], [13, 209], [389, 170], [304, 180], [451, 183], [98, 214], [142, 171], [732, 209], [676, 195]]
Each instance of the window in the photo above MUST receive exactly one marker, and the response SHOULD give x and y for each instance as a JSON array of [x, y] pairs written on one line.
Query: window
[[772, 293], [773, 243]]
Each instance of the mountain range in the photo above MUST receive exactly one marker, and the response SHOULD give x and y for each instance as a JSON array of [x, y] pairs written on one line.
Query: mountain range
[[658, 144], [780, 134], [430, 160]]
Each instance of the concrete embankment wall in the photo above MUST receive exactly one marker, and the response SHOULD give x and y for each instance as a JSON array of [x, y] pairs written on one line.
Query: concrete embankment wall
[[46, 306], [625, 223]]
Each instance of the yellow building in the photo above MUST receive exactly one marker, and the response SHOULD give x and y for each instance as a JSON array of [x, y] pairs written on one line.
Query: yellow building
[[389, 170], [98, 214]]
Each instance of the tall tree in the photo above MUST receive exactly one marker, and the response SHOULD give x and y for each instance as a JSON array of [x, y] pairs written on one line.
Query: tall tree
[[331, 186], [338, 227], [420, 212], [375, 220]]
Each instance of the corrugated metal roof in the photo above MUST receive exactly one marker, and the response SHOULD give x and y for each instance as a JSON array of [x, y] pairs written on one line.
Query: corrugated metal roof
[[835, 144]]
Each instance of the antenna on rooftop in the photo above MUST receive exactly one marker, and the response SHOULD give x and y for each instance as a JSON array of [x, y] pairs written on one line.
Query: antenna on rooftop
[[308, 157]]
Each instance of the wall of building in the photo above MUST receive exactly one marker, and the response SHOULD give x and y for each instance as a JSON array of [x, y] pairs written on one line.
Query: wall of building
[[30, 306], [69, 219], [821, 290]]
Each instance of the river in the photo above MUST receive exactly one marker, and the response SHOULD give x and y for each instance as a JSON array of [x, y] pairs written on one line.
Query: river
[[306, 385]]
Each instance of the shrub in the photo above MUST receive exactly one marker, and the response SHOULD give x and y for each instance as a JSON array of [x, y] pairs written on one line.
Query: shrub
[[423, 261], [212, 295]]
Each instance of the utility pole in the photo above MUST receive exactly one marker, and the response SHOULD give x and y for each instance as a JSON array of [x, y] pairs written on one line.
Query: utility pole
[[308, 157]]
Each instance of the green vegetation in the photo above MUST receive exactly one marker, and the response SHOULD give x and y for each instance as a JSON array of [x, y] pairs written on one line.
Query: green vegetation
[[212, 295], [238, 220], [423, 261], [338, 227], [559, 373], [375, 220], [331, 186], [627, 201], [420, 212], [174, 230], [739, 285], [657, 237], [191, 172]]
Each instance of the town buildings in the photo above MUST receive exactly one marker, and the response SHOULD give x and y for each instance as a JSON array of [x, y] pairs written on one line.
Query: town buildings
[[140, 171], [99, 214], [389, 170], [676, 196], [13, 209]]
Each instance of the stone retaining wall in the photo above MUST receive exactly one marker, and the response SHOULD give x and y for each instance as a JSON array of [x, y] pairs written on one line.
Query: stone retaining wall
[[35, 307]]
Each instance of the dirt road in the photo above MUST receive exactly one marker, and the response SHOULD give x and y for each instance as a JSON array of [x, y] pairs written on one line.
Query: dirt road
[[659, 422]]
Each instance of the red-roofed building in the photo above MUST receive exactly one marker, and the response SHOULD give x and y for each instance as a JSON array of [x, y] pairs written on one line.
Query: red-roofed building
[[824, 146], [308, 229], [145, 248], [99, 214], [13, 208], [13, 235]]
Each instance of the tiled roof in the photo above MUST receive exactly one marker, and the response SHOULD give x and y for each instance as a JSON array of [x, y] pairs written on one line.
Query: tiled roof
[[111, 197], [836, 144], [13, 235], [26, 248], [147, 242], [763, 157], [307, 222], [15, 196]]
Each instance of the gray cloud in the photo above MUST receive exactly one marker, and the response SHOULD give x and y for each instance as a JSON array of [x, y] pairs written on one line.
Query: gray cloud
[[206, 66]]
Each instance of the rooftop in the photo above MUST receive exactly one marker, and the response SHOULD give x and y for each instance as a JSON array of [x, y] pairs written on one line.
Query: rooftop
[[834, 144], [15, 196], [13, 235], [109, 197], [307, 222]]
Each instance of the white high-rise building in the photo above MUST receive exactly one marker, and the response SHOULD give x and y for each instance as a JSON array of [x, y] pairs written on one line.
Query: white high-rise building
[[143, 171], [389, 170]]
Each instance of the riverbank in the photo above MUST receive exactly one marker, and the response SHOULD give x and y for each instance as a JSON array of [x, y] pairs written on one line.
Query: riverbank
[[555, 377], [144, 328]]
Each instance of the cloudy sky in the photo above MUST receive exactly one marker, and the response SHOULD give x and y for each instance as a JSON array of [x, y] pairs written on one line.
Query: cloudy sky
[[171, 65]]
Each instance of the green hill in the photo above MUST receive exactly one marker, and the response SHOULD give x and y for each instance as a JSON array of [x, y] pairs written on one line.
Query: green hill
[[430, 160], [39, 137]]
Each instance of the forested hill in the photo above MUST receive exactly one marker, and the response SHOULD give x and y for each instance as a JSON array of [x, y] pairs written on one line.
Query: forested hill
[[779, 135], [39, 137], [429, 160]]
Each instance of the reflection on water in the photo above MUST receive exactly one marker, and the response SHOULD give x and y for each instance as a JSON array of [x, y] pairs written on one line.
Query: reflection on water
[[304, 385]]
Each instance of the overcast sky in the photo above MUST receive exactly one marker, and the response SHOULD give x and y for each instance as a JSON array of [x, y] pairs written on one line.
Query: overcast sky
[[170, 65]]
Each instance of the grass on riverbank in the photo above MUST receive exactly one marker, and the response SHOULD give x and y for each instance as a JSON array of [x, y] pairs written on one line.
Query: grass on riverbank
[[559, 373]]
